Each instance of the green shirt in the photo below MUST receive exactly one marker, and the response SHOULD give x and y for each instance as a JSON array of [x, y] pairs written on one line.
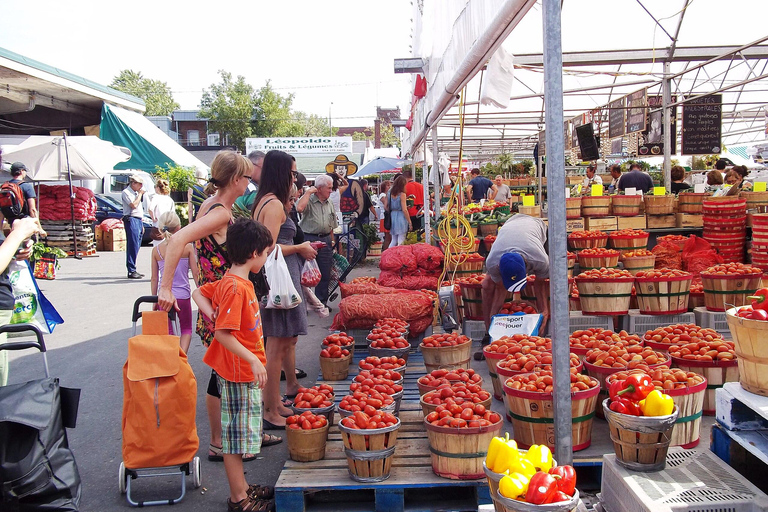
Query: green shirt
[[318, 218]]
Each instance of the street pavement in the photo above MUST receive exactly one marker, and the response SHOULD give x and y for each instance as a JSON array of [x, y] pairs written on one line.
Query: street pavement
[[88, 351]]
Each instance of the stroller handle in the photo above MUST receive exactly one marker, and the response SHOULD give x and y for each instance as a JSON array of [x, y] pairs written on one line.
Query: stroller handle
[[147, 299], [23, 345]]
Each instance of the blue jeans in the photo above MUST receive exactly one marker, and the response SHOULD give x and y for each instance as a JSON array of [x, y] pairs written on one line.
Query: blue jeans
[[325, 262], [134, 230]]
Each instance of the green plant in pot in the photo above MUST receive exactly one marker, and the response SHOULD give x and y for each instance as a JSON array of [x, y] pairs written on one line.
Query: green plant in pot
[[180, 179], [371, 234], [40, 250]]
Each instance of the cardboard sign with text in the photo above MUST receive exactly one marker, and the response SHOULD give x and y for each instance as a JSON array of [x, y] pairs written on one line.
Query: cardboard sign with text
[[506, 325]]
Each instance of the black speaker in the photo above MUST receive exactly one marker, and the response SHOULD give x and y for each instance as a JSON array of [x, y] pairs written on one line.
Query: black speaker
[[587, 142]]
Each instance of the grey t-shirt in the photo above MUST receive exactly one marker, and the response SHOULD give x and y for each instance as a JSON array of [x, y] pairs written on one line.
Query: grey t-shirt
[[526, 236], [502, 193], [128, 196]]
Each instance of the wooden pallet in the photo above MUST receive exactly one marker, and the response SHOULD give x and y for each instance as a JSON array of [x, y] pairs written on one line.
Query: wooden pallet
[[411, 484]]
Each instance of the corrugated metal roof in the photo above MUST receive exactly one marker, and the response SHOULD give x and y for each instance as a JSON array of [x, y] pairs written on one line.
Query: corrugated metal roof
[[187, 115]]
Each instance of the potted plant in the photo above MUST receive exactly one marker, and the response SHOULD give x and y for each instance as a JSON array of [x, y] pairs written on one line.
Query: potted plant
[[180, 179], [45, 260], [372, 241]]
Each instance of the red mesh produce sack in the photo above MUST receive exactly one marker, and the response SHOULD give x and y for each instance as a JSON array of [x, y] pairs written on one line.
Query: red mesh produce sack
[[698, 255], [398, 259], [427, 256], [362, 311], [407, 282], [110, 224], [419, 325], [668, 255], [348, 289]]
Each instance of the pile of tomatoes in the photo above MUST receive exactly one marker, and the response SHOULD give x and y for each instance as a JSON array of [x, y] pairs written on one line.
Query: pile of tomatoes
[[445, 340], [378, 373], [663, 377], [704, 351], [396, 324], [529, 362], [732, 269], [306, 421], [625, 356], [384, 363], [341, 339], [315, 397], [541, 381], [662, 273], [587, 234], [359, 400], [599, 252], [519, 343], [681, 333], [378, 385], [364, 421], [629, 233], [457, 393], [636, 253], [471, 279], [673, 239], [364, 280], [442, 376], [602, 339], [605, 274], [467, 415], [518, 306], [380, 340], [334, 352]]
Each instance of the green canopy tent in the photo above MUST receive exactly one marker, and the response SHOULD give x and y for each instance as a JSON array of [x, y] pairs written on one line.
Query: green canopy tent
[[149, 146]]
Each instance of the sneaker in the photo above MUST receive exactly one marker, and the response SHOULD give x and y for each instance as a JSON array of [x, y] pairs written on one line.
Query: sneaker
[[135, 275]]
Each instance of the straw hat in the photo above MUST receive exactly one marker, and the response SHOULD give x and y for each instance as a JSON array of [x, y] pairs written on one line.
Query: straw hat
[[341, 165]]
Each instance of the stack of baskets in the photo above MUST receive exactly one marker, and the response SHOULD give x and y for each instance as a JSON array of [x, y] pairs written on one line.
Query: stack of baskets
[[691, 202], [760, 240], [725, 226]]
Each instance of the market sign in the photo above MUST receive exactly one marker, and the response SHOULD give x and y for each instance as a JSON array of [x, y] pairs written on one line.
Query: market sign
[[636, 104], [300, 145], [616, 118], [702, 125], [654, 132]]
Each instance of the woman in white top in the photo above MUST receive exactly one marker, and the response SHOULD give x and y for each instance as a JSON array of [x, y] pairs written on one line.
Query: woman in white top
[[160, 203]]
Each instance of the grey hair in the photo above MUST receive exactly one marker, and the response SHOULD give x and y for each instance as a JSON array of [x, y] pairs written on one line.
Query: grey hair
[[255, 156], [323, 181]]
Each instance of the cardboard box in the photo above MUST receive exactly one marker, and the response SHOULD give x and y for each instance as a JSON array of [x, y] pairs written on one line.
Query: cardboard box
[[114, 240], [574, 224], [689, 220], [661, 221], [636, 222], [600, 223], [99, 237]]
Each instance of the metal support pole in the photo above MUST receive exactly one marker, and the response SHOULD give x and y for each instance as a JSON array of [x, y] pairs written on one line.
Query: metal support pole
[[558, 271], [425, 186], [71, 197], [438, 175], [666, 99]]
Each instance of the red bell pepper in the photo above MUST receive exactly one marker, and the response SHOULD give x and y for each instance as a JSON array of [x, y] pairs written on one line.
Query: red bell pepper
[[759, 314], [560, 496], [541, 488], [636, 387], [760, 299], [566, 479], [625, 406]]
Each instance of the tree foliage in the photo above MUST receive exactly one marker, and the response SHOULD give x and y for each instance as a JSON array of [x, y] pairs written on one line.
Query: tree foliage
[[230, 106], [272, 115], [308, 125], [156, 94]]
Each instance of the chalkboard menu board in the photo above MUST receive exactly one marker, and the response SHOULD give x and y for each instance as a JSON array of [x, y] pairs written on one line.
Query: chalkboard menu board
[[702, 125], [616, 118], [636, 113], [654, 132]]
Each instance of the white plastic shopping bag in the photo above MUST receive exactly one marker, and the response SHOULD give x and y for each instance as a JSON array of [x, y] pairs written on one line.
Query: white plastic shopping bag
[[519, 323], [282, 294]]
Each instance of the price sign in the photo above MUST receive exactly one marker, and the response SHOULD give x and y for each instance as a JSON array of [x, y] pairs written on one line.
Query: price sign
[[567, 192], [759, 186], [699, 188], [597, 190], [630, 191], [529, 200], [659, 191]]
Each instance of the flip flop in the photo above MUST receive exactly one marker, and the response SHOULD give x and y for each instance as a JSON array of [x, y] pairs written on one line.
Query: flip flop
[[269, 440], [271, 426], [300, 374]]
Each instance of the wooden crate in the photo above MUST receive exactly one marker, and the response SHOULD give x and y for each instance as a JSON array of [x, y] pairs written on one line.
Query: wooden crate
[[533, 211], [600, 223], [689, 220], [636, 222], [114, 240], [574, 224], [661, 221]]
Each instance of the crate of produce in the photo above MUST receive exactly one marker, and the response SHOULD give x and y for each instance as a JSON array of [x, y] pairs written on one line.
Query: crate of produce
[[750, 338], [605, 291], [448, 351], [595, 206], [307, 442], [629, 239], [625, 206], [596, 258], [729, 285], [689, 220], [499, 349], [532, 409], [691, 202], [639, 260], [662, 292], [579, 240], [661, 221], [659, 205]]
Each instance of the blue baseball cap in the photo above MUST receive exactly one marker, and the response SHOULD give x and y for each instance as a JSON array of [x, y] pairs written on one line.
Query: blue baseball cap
[[512, 270]]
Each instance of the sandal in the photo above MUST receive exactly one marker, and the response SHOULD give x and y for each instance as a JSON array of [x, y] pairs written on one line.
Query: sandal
[[215, 455], [270, 440], [261, 492], [300, 374], [251, 504]]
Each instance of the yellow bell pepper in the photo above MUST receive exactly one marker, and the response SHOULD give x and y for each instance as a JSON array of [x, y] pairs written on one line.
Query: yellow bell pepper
[[657, 404], [513, 486], [524, 467], [502, 454], [493, 451], [540, 456]]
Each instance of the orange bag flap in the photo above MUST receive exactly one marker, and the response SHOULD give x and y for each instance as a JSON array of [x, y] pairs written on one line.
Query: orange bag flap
[[153, 355], [154, 322]]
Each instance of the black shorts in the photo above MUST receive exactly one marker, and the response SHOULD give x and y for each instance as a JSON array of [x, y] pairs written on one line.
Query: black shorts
[[213, 386], [416, 222]]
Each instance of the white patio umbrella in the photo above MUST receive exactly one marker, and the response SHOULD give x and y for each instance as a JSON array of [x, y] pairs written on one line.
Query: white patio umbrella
[[61, 158]]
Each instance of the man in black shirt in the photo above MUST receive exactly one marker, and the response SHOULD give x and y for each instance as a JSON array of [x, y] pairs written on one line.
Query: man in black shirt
[[636, 179]]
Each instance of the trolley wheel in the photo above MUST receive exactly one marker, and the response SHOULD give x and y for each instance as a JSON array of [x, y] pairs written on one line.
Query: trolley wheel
[[121, 478], [197, 480]]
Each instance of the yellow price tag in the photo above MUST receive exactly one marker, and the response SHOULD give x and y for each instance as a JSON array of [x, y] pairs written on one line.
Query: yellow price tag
[[659, 191], [597, 190], [759, 186], [579, 189], [529, 200]]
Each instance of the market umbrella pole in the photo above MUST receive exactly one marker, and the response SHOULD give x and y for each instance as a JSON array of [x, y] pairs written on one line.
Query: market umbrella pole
[[71, 197], [558, 271]]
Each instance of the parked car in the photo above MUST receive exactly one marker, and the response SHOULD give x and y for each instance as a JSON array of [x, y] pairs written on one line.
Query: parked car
[[109, 208]]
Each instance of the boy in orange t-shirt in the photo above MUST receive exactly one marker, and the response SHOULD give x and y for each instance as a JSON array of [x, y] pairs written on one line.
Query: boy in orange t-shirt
[[237, 355]]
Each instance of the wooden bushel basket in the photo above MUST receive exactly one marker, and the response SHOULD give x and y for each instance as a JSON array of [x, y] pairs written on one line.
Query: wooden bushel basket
[[455, 356], [690, 403], [691, 202], [488, 228], [459, 453], [572, 207], [369, 452], [595, 206], [375, 249], [335, 368], [307, 445], [604, 296], [329, 412], [659, 205], [751, 340], [471, 297], [492, 359], [640, 442], [663, 295], [389, 352], [635, 264], [610, 260], [716, 372], [626, 243], [578, 244], [722, 292], [533, 421], [626, 206], [757, 201]]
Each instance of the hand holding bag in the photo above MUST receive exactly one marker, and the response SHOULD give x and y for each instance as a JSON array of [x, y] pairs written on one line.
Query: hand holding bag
[[282, 294]]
